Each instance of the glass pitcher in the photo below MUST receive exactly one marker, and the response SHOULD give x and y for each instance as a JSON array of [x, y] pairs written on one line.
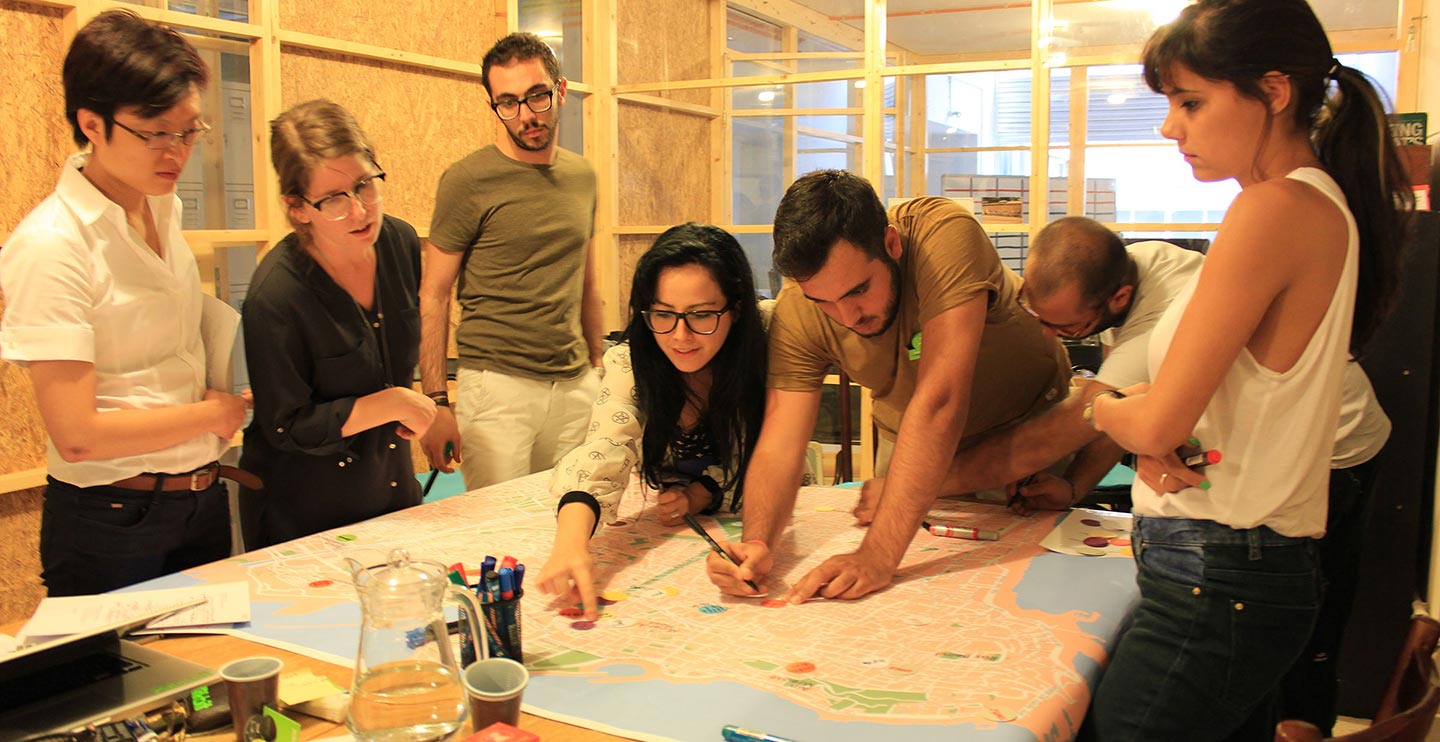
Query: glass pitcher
[[407, 686]]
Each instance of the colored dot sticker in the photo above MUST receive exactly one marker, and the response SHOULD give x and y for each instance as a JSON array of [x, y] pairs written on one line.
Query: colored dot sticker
[[1097, 541], [322, 583], [610, 597], [824, 508], [1088, 551], [602, 600], [712, 609], [571, 612], [345, 537], [773, 603], [800, 667], [583, 625], [617, 523], [1089, 522], [1119, 541]]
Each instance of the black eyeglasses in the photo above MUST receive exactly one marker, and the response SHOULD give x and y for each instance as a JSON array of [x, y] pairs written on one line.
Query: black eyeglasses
[[336, 206], [165, 139], [539, 102], [700, 322], [1073, 331]]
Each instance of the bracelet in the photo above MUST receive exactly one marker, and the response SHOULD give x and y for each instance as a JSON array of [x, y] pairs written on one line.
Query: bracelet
[[1088, 414], [441, 399]]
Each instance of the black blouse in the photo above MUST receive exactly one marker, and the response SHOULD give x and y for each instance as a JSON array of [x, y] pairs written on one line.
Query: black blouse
[[312, 351]]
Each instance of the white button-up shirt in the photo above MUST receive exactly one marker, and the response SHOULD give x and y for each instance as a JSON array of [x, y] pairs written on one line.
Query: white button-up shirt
[[81, 285]]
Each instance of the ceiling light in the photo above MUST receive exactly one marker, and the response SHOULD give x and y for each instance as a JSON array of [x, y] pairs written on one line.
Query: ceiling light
[[860, 84], [765, 96]]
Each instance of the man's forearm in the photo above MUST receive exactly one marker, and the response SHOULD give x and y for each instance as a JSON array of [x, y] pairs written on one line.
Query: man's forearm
[[925, 445], [1092, 464], [434, 337], [1021, 450], [769, 501]]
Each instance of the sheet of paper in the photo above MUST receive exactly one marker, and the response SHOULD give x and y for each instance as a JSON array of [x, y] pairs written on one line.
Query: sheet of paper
[[1097, 533], [219, 323], [225, 603], [303, 685]]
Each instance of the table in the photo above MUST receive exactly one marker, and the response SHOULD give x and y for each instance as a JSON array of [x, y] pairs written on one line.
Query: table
[[974, 640]]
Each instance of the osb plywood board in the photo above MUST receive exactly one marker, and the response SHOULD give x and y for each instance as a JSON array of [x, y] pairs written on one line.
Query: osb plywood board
[[20, 587], [420, 121], [632, 246], [664, 41], [34, 136], [664, 164], [460, 30], [22, 434]]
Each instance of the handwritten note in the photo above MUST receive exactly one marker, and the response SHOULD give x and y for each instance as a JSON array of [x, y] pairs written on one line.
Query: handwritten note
[[225, 603]]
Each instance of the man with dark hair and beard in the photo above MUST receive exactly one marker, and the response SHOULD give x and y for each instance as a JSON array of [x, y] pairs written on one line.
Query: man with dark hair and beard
[[519, 216], [915, 305]]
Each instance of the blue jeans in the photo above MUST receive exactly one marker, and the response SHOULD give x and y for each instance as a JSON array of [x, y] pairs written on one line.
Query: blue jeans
[[1223, 614], [96, 539]]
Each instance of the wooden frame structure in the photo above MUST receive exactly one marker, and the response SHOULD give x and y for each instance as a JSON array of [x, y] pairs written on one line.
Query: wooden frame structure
[[272, 41]]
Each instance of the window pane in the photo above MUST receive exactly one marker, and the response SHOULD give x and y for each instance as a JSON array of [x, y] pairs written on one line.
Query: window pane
[[217, 186], [230, 10], [982, 109], [1153, 184], [557, 23], [757, 182], [758, 249], [1121, 107], [937, 30], [572, 122], [1384, 67]]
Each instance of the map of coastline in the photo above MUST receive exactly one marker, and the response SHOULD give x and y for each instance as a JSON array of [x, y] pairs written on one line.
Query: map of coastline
[[999, 640]]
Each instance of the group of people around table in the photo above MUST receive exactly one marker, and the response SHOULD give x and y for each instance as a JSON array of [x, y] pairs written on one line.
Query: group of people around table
[[711, 395]]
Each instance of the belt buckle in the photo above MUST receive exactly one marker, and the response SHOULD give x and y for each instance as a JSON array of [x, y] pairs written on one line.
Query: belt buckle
[[205, 475]]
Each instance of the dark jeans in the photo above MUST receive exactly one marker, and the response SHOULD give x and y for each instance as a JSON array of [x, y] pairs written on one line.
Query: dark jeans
[[1309, 690], [94, 539], [1223, 614]]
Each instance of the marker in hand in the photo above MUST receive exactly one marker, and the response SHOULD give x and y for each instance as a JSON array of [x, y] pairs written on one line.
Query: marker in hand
[[1203, 459], [696, 527]]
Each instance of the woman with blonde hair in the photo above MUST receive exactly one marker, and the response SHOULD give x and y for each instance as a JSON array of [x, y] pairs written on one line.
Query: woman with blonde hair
[[332, 338]]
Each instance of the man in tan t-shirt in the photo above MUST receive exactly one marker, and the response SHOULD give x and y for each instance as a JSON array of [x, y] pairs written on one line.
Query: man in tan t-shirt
[[916, 306]]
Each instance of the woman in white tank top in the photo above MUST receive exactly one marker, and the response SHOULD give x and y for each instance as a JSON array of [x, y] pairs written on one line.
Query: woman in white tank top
[[1249, 359]]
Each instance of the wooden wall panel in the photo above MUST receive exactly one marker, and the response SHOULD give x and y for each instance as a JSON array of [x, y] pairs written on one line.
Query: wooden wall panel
[[20, 588], [462, 31], [420, 121], [664, 41], [664, 163], [34, 136], [632, 246]]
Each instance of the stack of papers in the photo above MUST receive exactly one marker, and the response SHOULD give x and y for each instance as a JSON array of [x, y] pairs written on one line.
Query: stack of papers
[[207, 609]]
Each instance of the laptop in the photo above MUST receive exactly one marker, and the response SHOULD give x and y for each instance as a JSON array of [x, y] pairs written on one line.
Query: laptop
[[94, 677]]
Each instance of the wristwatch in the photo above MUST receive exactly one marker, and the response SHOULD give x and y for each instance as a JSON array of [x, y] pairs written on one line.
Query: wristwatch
[[1088, 414]]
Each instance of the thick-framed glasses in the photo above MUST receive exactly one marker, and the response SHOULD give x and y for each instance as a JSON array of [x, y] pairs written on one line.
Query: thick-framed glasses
[[540, 102], [166, 139], [336, 206], [700, 322]]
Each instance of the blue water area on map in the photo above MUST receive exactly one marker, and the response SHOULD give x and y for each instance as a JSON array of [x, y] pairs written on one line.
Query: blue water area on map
[[1108, 589], [733, 703]]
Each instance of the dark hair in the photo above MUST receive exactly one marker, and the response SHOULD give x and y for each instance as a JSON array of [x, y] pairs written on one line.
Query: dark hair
[[819, 209], [736, 405], [1240, 41], [119, 60], [519, 47], [1079, 249]]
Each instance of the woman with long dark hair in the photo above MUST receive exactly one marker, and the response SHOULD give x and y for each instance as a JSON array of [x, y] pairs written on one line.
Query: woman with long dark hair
[[682, 399], [1249, 359]]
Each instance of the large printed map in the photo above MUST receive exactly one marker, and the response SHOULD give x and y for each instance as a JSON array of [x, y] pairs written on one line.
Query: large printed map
[[975, 640]]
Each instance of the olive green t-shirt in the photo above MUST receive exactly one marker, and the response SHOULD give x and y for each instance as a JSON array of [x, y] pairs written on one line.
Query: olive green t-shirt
[[527, 228], [947, 260]]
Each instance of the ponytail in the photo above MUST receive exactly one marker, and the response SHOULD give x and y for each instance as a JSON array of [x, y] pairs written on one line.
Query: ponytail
[[1353, 141]]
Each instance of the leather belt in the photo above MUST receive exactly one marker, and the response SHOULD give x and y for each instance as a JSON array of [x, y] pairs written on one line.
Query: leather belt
[[191, 481]]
